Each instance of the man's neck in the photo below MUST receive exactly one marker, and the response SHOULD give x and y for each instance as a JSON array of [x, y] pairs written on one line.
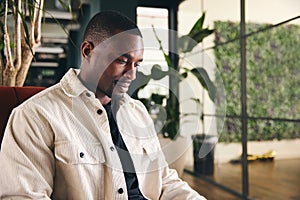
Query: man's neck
[[104, 99]]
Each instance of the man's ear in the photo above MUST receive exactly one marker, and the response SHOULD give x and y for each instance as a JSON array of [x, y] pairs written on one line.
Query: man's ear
[[86, 48]]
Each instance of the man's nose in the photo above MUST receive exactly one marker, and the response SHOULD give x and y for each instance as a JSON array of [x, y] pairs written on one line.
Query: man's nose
[[130, 71]]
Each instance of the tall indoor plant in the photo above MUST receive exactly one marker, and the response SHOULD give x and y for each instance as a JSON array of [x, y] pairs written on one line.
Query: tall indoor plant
[[175, 148], [20, 36], [185, 44]]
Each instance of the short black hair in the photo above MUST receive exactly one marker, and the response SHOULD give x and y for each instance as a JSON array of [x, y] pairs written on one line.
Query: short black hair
[[105, 24]]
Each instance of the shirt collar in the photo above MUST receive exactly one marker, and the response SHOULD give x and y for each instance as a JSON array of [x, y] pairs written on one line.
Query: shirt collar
[[73, 87], [127, 99], [71, 84]]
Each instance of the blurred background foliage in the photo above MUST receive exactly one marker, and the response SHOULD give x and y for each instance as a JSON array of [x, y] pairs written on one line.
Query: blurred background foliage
[[273, 79]]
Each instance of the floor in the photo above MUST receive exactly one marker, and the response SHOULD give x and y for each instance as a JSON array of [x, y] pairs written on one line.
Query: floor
[[268, 180]]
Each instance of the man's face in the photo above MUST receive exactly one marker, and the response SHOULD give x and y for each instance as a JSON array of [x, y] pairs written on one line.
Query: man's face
[[116, 63]]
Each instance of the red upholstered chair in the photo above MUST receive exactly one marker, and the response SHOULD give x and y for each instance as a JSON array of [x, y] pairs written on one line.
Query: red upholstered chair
[[11, 97]]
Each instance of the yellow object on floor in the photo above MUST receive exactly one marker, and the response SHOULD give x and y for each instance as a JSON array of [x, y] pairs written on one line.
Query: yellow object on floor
[[268, 156]]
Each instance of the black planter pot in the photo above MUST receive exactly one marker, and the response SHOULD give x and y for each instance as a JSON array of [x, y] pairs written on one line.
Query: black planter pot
[[203, 150]]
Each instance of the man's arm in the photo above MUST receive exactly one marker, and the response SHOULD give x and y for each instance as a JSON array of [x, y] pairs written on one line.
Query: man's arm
[[176, 189], [26, 158]]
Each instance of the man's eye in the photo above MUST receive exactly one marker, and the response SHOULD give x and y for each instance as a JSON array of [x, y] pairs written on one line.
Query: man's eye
[[137, 64], [122, 61]]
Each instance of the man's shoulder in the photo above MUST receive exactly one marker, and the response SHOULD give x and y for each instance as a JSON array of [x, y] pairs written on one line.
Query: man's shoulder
[[136, 103], [42, 98]]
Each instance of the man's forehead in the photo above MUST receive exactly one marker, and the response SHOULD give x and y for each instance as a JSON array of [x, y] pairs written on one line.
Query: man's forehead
[[123, 42]]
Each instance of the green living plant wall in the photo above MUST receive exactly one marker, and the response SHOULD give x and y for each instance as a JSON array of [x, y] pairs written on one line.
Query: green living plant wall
[[273, 80]]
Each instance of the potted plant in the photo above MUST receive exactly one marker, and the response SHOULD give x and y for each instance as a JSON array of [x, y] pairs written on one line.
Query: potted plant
[[185, 44]]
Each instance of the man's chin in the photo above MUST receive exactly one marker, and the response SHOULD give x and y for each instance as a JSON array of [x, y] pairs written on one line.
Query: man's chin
[[119, 91]]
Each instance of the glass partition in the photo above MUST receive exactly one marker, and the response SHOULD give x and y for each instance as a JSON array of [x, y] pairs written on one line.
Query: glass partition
[[272, 45], [272, 77]]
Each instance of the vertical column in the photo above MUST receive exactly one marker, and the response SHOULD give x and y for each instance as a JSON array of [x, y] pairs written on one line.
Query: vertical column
[[244, 116], [173, 81]]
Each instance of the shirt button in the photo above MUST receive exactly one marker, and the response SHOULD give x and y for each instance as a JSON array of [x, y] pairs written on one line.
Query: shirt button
[[99, 111], [88, 94], [120, 190], [112, 148], [81, 154]]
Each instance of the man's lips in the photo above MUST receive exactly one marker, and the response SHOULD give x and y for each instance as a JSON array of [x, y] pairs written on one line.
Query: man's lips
[[121, 85]]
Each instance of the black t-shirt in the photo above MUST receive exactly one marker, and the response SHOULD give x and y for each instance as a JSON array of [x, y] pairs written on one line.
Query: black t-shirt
[[132, 184]]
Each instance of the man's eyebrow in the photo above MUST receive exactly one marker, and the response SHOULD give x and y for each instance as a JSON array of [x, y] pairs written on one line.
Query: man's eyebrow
[[128, 56]]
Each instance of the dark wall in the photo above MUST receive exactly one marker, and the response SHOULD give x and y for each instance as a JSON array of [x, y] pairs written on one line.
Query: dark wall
[[128, 8]]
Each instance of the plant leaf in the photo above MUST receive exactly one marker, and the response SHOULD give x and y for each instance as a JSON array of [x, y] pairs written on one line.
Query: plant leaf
[[184, 75], [166, 56], [157, 73], [200, 35], [186, 43], [183, 43], [202, 76], [198, 25], [197, 38]]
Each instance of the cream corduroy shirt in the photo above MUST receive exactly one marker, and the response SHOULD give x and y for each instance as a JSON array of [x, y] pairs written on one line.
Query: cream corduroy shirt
[[57, 145]]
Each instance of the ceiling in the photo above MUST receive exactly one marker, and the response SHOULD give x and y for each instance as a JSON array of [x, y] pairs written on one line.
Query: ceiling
[[159, 3]]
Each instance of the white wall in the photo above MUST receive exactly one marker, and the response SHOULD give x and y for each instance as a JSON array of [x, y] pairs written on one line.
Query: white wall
[[263, 11]]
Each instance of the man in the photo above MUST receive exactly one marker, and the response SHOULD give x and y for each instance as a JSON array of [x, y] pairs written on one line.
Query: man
[[85, 138]]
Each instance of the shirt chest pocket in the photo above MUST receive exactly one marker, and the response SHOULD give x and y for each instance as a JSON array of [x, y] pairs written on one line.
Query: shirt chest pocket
[[74, 154], [151, 151], [151, 159]]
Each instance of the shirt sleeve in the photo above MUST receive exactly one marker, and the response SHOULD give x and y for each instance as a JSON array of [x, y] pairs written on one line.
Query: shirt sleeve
[[26, 157], [176, 189]]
